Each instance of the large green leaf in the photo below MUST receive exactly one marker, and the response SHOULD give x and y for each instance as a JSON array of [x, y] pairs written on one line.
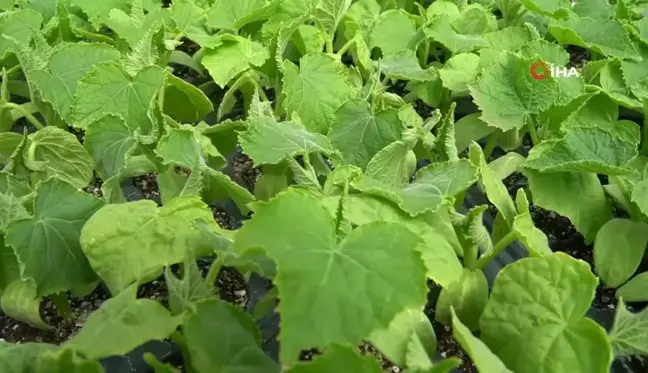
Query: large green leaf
[[583, 149], [318, 75], [440, 30], [185, 102], [21, 302], [99, 11], [20, 25], [54, 152], [108, 89], [66, 361], [548, 7], [577, 195], [267, 141], [359, 132], [235, 349], [336, 359], [549, 333], [404, 65], [233, 55], [508, 95], [605, 36], [433, 186], [629, 334], [465, 298], [460, 71], [618, 249], [635, 290], [384, 254], [234, 14], [330, 13], [47, 244], [187, 148], [22, 357], [67, 66], [392, 31], [133, 241], [121, 324]]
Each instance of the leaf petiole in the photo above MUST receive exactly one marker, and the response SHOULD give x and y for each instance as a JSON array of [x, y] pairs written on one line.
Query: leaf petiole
[[32, 119], [499, 247]]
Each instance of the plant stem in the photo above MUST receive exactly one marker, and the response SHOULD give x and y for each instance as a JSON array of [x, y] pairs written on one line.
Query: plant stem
[[346, 46], [644, 144], [258, 88], [62, 305], [32, 119], [160, 98], [499, 247], [214, 269], [491, 143], [423, 56], [470, 256], [531, 125]]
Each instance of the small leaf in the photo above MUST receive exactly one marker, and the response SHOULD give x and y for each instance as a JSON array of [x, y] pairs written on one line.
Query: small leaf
[[54, 152], [554, 8], [109, 141], [21, 302], [467, 297], [121, 324], [218, 187], [433, 186], [182, 147], [240, 351], [618, 249], [404, 65], [267, 141], [185, 102], [337, 358], [393, 31], [234, 14], [233, 55], [188, 290], [485, 360], [66, 361], [440, 30], [174, 184], [531, 237], [322, 76], [99, 11], [460, 71], [390, 165], [629, 334], [635, 290], [359, 132]]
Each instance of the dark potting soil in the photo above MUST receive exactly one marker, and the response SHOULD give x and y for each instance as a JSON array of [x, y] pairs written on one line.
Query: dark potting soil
[[578, 56], [367, 349], [244, 171], [232, 287], [148, 186], [94, 187]]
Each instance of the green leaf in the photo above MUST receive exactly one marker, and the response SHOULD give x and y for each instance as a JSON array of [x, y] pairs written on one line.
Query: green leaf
[[121, 324], [188, 290], [234, 55], [432, 187], [485, 360], [531, 237], [234, 14], [22, 357], [66, 361], [47, 244], [219, 187], [554, 8], [99, 11], [393, 31], [409, 340], [21, 302], [618, 250], [404, 65], [555, 300], [475, 19], [370, 253], [635, 290], [360, 132], [109, 141], [460, 71], [337, 358], [507, 165], [440, 30], [629, 334], [613, 84], [597, 9], [158, 367], [467, 296], [639, 195], [240, 351], [330, 12], [173, 183], [267, 141], [108, 89], [583, 149], [444, 7], [578, 196], [392, 165], [441, 244], [9, 266], [185, 102], [508, 95], [54, 152], [470, 128], [495, 189], [322, 76], [11, 208], [182, 147], [605, 36], [110, 234], [20, 25], [67, 66]]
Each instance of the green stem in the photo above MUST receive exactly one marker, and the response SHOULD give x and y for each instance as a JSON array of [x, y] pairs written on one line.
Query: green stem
[[531, 125], [278, 110], [635, 214], [63, 308], [499, 247], [346, 47], [214, 269], [423, 56], [32, 119], [258, 88], [644, 145], [160, 98], [491, 143], [470, 256]]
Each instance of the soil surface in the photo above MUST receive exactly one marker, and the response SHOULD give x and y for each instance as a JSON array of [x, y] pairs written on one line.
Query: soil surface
[[244, 172]]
